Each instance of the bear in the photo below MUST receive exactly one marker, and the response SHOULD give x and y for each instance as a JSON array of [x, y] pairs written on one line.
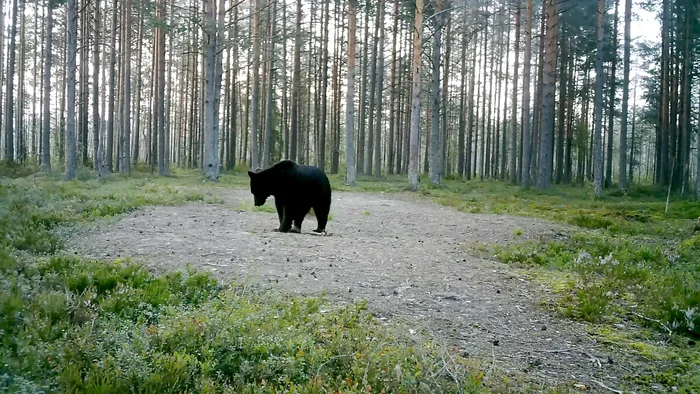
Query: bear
[[297, 190]]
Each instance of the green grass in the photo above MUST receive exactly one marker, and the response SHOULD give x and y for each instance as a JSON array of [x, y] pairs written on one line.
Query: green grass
[[69, 324]]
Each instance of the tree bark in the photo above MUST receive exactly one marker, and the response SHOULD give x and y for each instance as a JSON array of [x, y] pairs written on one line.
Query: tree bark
[[9, 97], [324, 91], [597, 141], [350, 97], [547, 127], [462, 120], [125, 165], [46, 128], [622, 175], [379, 91], [269, 105], [527, 146], [112, 89], [255, 95], [160, 107], [435, 145], [72, 45], [415, 107], [296, 86], [393, 116], [561, 123], [663, 129], [514, 104], [470, 113], [372, 97], [611, 102]]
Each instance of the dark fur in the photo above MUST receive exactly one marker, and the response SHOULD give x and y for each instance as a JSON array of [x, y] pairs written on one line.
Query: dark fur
[[297, 189]]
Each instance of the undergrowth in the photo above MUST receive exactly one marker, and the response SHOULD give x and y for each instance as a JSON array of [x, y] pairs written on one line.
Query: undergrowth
[[69, 324]]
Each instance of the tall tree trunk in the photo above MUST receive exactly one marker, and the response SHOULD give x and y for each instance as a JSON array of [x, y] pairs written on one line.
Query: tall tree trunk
[[211, 165], [9, 97], [415, 107], [597, 141], [632, 142], [218, 74], [697, 163], [96, 139], [547, 128], [335, 150], [393, 116], [363, 94], [561, 124], [372, 96], [269, 105], [72, 45], [481, 149], [350, 98], [379, 90], [663, 129], [255, 95], [139, 85], [112, 89], [537, 112], [470, 112], [21, 140], [445, 162], [84, 93], [611, 102], [685, 101], [462, 121], [527, 146], [160, 107], [296, 87], [504, 124], [125, 166], [2, 75], [569, 117], [435, 145], [622, 176], [46, 120], [514, 104]]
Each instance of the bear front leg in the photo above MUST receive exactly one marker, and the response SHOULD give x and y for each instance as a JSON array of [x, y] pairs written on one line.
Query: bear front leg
[[280, 213], [286, 224], [297, 224]]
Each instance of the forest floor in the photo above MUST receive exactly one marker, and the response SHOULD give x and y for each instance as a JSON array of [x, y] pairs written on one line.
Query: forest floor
[[412, 260]]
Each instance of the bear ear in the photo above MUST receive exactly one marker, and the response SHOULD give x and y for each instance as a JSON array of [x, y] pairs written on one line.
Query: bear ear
[[251, 174]]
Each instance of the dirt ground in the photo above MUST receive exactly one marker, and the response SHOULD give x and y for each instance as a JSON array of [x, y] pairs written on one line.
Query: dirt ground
[[407, 257]]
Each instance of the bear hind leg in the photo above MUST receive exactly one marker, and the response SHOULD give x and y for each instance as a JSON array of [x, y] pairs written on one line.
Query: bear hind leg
[[297, 223], [322, 212]]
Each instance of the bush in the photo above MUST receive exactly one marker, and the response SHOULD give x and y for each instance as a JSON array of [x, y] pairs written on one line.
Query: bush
[[85, 326], [69, 324]]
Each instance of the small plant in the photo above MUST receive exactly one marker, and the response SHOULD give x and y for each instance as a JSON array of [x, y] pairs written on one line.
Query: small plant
[[518, 232], [366, 213]]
